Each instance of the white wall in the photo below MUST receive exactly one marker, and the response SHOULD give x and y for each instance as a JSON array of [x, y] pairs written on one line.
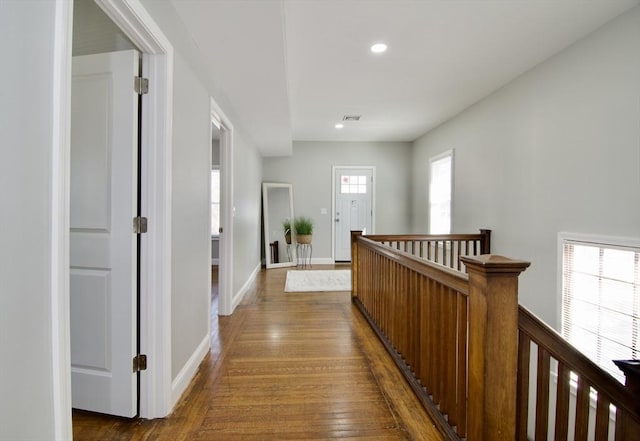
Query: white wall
[[215, 161], [94, 32], [309, 169], [558, 149], [190, 238], [27, 275], [188, 284], [248, 205]]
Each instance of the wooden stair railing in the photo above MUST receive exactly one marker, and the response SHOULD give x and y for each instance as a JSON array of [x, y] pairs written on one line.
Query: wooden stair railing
[[445, 249], [577, 383], [465, 347], [452, 335]]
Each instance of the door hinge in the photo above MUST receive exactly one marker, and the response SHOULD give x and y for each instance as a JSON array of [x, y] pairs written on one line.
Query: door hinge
[[141, 85], [140, 363], [139, 225], [220, 230]]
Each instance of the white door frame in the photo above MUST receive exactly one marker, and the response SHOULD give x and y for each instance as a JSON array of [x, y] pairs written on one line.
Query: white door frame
[[225, 274], [333, 201], [155, 327]]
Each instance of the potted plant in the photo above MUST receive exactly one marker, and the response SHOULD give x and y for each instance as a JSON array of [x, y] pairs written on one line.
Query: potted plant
[[304, 229], [286, 226]]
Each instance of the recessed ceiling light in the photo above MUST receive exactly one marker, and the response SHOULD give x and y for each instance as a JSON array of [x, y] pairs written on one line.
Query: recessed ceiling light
[[339, 126], [378, 48]]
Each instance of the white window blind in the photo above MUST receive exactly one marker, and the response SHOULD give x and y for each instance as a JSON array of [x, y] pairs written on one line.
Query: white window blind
[[440, 194], [215, 202], [601, 301]]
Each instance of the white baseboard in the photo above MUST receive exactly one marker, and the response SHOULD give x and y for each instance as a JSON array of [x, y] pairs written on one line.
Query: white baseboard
[[188, 371], [237, 297], [322, 261]]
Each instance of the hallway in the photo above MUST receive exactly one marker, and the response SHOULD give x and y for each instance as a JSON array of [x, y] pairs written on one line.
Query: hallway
[[285, 366]]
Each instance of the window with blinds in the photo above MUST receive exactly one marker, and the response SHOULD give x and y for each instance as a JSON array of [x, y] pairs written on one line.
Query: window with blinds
[[601, 301]]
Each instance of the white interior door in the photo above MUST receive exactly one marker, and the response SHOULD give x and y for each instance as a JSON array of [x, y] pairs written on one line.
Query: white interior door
[[353, 207], [103, 250]]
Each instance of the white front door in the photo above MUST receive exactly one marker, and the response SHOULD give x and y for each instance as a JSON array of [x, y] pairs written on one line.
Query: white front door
[[353, 207], [103, 250]]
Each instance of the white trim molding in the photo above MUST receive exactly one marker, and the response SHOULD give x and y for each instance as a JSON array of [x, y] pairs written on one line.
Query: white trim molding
[[60, 156], [188, 371], [322, 261], [155, 320], [225, 272], [155, 272], [238, 296]]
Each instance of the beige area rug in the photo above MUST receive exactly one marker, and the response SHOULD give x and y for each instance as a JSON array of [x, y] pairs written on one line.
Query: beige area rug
[[318, 280]]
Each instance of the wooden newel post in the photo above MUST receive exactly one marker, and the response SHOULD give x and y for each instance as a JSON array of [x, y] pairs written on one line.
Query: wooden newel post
[[354, 263], [485, 245], [493, 346], [627, 428]]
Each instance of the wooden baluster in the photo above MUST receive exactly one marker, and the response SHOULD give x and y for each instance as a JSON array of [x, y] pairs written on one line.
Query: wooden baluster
[[423, 324], [449, 359], [602, 418], [493, 346], [582, 410], [542, 394], [458, 262], [433, 335], [562, 403], [411, 323], [354, 263], [461, 400], [522, 410], [417, 326]]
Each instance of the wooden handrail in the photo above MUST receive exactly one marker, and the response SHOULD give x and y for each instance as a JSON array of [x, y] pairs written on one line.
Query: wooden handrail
[[551, 346], [447, 276], [445, 249], [464, 345], [444, 329]]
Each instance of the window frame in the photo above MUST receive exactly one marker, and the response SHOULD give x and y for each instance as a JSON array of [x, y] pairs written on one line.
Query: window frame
[[587, 240], [215, 168], [432, 160]]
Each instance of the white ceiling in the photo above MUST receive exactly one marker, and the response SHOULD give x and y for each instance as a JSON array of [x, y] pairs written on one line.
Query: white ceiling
[[293, 68]]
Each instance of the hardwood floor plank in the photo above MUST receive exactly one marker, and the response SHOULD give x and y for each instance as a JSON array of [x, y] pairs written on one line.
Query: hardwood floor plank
[[284, 366]]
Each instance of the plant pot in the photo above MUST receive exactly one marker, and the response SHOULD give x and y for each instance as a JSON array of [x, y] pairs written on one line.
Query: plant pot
[[304, 238], [287, 238]]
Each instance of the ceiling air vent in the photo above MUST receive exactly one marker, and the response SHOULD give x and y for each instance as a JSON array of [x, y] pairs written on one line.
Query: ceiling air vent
[[351, 118]]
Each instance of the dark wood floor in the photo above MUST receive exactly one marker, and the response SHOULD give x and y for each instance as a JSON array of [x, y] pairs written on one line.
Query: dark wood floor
[[284, 366]]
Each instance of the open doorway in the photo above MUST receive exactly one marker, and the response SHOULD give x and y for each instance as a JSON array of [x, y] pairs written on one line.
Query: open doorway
[[132, 20], [215, 215], [105, 196], [222, 154]]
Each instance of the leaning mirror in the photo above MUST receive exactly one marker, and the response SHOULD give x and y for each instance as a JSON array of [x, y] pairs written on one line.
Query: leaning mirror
[[277, 206]]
